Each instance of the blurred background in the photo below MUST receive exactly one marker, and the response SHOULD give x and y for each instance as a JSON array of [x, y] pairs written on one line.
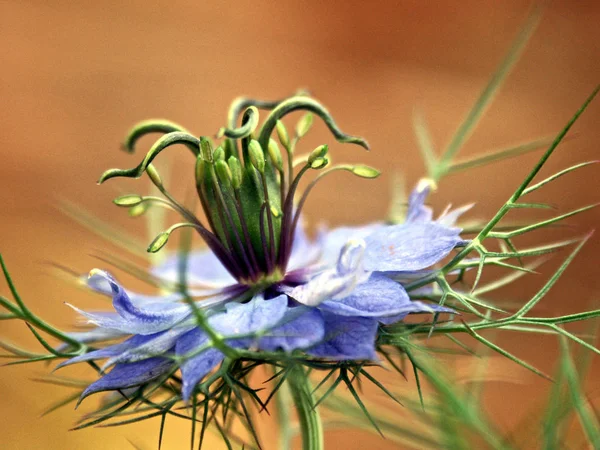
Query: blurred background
[[75, 77]]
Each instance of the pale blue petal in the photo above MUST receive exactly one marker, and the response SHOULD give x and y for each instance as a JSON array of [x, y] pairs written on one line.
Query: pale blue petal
[[377, 297], [157, 346], [336, 282], [347, 338], [130, 375], [135, 319], [203, 268], [111, 350], [417, 211], [163, 302], [410, 246], [92, 336], [247, 318], [450, 217], [301, 327], [304, 253], [257, 315], [332, 241], [196, 368]]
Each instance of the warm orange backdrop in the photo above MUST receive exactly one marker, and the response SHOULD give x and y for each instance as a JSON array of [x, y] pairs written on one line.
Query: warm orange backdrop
[[75, 75]]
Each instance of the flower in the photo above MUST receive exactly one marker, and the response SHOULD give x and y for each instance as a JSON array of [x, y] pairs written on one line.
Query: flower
[[262, 285]]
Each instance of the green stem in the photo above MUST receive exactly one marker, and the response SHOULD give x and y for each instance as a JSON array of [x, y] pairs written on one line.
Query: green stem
[[311, 428], [284, 400]]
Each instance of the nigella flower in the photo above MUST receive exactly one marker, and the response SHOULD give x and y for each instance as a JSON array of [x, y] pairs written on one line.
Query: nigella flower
[[261, 285]]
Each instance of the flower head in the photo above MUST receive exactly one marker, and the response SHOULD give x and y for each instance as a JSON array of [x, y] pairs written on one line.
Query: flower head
[[262, 285]]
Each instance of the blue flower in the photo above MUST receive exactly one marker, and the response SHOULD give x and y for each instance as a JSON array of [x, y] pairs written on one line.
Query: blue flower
[[261, 285], [329, 303]]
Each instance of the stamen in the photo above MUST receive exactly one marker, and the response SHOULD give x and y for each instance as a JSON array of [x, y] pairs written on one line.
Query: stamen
[[358, 170], [263, 239], [286, 221], [211, 240]]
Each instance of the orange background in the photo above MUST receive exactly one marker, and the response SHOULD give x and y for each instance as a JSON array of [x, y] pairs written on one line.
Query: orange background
[[74, 77]]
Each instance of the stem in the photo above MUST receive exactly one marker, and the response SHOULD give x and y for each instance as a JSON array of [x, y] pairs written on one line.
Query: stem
[[311, 428], [284, 400]]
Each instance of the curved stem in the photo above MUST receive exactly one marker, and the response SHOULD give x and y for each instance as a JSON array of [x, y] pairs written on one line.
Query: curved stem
[[311, 428]]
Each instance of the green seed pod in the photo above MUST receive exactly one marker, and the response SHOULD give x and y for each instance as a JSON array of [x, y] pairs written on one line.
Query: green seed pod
[[319, 163], [219, 154], [236, 172], [223, 172], [318, 152], [275, 154], [128, 200], [206, 149], [282, 134], [257, 156], [304, 125]]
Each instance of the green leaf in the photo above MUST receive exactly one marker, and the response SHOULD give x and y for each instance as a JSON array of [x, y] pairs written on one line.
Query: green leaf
[[587, 416], [488, 93], [424, 141]]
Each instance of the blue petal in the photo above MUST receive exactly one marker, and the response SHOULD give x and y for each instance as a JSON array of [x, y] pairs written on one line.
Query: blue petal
[[347, 338], [304, 253], [203, 268], [111, 350], [301, 328], [450, 217], [257, 315], [134, 319], [334, 240], [197, 367], [130, 375], [410, 246], [92, 336], [417, 211], [247, 318], [337, 282], [163, 302], [377, 297], [157, 346]]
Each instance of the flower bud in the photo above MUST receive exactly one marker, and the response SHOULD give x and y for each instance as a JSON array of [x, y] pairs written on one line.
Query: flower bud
[[304, 125], [219, 154], [257, 156], [318, 152], [275, 154], [223, 172], [236, 172], [282, 134]]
